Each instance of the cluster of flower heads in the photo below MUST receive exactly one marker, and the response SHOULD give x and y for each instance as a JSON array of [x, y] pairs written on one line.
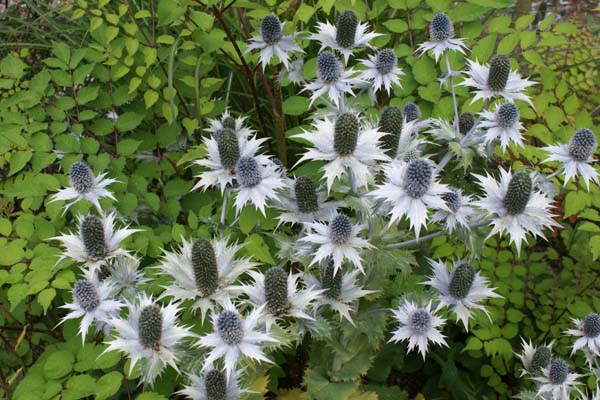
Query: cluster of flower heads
[[382, 163]]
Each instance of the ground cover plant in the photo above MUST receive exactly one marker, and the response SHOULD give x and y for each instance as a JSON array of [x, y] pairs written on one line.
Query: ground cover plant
[[299, 200]]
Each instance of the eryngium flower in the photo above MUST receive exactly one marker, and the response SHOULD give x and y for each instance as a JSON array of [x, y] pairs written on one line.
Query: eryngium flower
[[410, 189], [503, 124], [587, 331], [390, 123], [91, 300], [234, 337], [515, 207], [461, 288], [459, 210], [303, 202], [331, 79], [534, 359], [466, 121], [97, 241], [84, 185], [271, 41], [277, 293], [348, 148], [347, 34], [203, 271], [493, 81], [418, 325], [556, 382], [411, 112], [259, 179], [124, 275], [382, 71], [229, 141], [338, 240], [577, 156], [150, 336], [340, 290], [213, 385], [441, 31], [227, 121]]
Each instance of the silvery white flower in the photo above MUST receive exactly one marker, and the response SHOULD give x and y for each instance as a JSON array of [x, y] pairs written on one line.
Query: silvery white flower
[[496, 80], [411, 189], [225, 147], [271, 41], [401, 136], [259, 179], [213, 385], [124, 275], [303, 202], [556, 382], [346, 146], [340, 290], [91, 300], [461, 288], [150, 336], [97, 241], [112, 115], [295, 71], [234, 337], [276, 292], [440, 33], [502, 124], [203, 271], [418, 325], [382, 71], [227, 121], [577, 156], [534, 358], [514, 205], [338, 240], [332, 79], [84, 185], [459, 210], [347, 34], [587, 332]]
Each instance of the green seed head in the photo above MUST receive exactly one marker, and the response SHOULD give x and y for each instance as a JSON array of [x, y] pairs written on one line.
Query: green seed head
[[541, 359], [306, 195], [92, 233], [216, 385], [462, 280], [465, 122], [346, 134], [150, 327], [346, 25], [517, 195], [276, 291], [229, 123], [391, 123], [229, 149], [330, 281], [204, 262], [499, 71]]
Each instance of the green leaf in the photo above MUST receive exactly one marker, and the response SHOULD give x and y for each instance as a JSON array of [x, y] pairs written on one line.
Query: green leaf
[[129, 121], [59, 364], [45, 297], [295, 105], [256, 246], [396, 25], [108, 385], [150, 97], [424, 70], [127, 147], [18, 160]]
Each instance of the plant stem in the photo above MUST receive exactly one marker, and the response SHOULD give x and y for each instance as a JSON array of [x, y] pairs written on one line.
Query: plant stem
[[451, 80], [224, 206], [431, 236], [558, 171]]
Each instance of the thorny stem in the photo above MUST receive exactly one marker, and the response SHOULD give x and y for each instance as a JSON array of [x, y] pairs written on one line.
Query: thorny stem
[[558, 171], [224, 207], [451, 80], [431, 236]]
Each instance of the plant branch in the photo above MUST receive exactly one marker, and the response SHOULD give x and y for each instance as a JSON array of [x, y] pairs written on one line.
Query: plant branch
[[431, 236]]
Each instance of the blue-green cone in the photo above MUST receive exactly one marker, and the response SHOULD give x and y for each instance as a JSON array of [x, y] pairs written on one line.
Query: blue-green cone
[[328, 67], [229, 327], [411, 112], [86, 295], [340, 229], [229, 123], [418, 178], [466, 121], [411, 155], [541, 358], [204, 263], [346, 24], [420, 321], [216, 385], [330, 281], [345, 137], [591, 325], [150, 327], [385, 61], [81, 177], [92, 234], [441, 28], [391, 123], [248, 171], [270, 28], [461, 281], [229, 148], [582, 144], [498, 73], [518, 193], [307, 199], [507, 115], [558, 371], [452, 199], [276, 291]]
